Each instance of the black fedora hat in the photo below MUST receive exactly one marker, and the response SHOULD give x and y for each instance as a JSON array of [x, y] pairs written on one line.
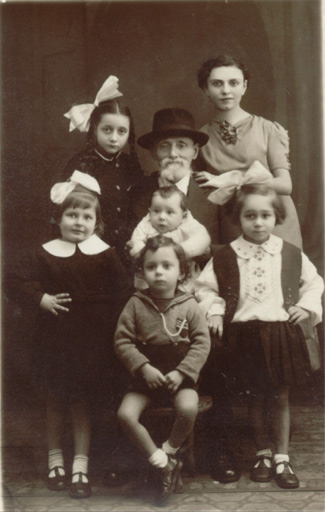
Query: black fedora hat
[[172, 122]]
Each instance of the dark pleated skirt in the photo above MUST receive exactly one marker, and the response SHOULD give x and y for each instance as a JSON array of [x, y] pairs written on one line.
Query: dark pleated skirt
[[264, 355]]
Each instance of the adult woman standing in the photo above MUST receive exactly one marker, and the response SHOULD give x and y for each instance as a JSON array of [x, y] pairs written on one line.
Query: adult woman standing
[[241, 147], [238, 139]]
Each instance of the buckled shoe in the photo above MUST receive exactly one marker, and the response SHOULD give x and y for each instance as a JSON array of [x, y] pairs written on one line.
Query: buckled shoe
[[58, 482]]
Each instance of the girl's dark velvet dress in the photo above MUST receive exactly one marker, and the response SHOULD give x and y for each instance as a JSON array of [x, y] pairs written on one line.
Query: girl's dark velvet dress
[[74, 350], [116, 176]]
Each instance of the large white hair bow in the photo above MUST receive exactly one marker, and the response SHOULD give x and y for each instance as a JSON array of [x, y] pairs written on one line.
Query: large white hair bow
[[228, 182], [79, 115], [60, 191]]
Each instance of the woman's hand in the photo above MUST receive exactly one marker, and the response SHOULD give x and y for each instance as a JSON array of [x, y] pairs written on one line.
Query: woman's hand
[[215, 324], [173, 380], [53, 303], [153, 377], [297, 314], [203, 178]]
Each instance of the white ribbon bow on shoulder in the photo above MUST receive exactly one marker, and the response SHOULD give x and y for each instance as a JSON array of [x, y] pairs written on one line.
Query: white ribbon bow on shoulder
[[79, 115], [60, 191], [228, 182]]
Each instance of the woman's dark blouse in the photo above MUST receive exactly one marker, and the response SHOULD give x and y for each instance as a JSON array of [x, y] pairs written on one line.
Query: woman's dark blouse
[[75, 348], [116, 179]]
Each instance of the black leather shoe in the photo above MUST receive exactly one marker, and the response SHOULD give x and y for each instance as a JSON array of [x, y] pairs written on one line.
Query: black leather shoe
[[286, 479], [58, 482], [80, 489], [168, 478], [261, 472], [224, 470]]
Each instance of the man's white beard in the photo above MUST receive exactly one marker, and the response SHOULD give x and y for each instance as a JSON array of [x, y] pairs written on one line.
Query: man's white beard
[[174, 173]]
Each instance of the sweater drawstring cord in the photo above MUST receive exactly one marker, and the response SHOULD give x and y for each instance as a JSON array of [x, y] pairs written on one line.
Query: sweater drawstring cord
[[166, 329]]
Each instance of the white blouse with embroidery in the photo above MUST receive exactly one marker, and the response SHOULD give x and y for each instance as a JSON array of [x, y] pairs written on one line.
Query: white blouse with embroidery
[[260, 296]]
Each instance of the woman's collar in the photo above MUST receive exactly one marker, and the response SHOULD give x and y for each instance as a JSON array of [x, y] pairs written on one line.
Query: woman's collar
[[63, 249], [246, 250]]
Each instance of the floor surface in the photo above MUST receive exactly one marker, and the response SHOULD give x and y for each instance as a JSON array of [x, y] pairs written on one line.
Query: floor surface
[[24, 472]]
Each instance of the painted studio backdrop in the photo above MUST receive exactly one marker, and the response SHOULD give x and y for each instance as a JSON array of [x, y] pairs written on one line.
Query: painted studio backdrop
[[55, 55]]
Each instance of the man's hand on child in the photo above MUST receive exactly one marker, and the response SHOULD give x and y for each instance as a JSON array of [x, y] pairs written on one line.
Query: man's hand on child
[[153, 377], [173, 380], [53, 303], [297, 314], [215, 324]]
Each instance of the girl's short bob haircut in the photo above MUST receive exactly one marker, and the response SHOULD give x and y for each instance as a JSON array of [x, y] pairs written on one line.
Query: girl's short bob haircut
[[168, 191], [219, 62], [155, 243], [234, 207], [83, 198]]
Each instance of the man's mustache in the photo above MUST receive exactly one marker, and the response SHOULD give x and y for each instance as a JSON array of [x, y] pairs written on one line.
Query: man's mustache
[[173, 162]]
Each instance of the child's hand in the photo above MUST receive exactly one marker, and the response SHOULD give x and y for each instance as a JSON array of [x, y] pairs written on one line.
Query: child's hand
[[297, 314], [130, 244], [153, 377], [52, 303], [173, 380], [215, 324]]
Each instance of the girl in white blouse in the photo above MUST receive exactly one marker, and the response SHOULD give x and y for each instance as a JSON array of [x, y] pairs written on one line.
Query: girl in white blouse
[[254, 293]]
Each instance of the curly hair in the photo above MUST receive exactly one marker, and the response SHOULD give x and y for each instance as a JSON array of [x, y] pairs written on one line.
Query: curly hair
[[218, 62], [155, 243]]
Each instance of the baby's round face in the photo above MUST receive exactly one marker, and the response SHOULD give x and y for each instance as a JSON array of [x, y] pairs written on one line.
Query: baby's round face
[[166, 213]]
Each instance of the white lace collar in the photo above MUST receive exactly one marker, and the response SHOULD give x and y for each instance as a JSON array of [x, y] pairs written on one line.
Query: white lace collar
[[246, 250], [63, 249]]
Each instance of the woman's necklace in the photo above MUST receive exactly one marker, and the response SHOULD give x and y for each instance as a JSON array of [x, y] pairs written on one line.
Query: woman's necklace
[[227, 132]]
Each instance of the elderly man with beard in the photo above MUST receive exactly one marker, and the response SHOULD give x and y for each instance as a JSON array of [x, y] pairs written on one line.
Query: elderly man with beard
[[174, 145]]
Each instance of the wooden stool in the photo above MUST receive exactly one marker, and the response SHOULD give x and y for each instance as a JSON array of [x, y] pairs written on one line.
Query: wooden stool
[[205, 403]]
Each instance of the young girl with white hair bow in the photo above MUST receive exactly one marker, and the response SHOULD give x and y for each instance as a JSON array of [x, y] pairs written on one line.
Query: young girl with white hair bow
[[255, 293], [110, 128], [79, 287]]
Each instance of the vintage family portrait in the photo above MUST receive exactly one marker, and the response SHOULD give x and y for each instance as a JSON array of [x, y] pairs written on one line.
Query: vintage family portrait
[[162, 183]]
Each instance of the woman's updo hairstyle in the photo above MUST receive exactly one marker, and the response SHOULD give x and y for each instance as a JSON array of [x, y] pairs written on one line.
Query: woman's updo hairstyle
[[218, 62], [235, 205]]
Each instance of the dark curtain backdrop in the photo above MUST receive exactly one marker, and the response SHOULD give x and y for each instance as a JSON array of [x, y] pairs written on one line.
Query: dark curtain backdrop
[[55, 55]]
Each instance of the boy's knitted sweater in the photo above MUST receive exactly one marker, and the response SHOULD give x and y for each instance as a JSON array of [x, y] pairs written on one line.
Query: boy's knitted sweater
[[182, 325]]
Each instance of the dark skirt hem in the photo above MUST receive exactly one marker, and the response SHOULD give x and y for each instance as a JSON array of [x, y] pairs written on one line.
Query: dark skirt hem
[[264, 355]]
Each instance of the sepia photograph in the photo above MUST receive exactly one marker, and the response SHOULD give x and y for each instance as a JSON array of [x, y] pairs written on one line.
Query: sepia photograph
[[162, 229]]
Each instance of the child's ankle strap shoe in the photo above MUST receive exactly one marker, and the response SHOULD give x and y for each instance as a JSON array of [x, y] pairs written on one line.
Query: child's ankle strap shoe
[[262, 469], [81, 488], [286, 478], [58, 482]]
